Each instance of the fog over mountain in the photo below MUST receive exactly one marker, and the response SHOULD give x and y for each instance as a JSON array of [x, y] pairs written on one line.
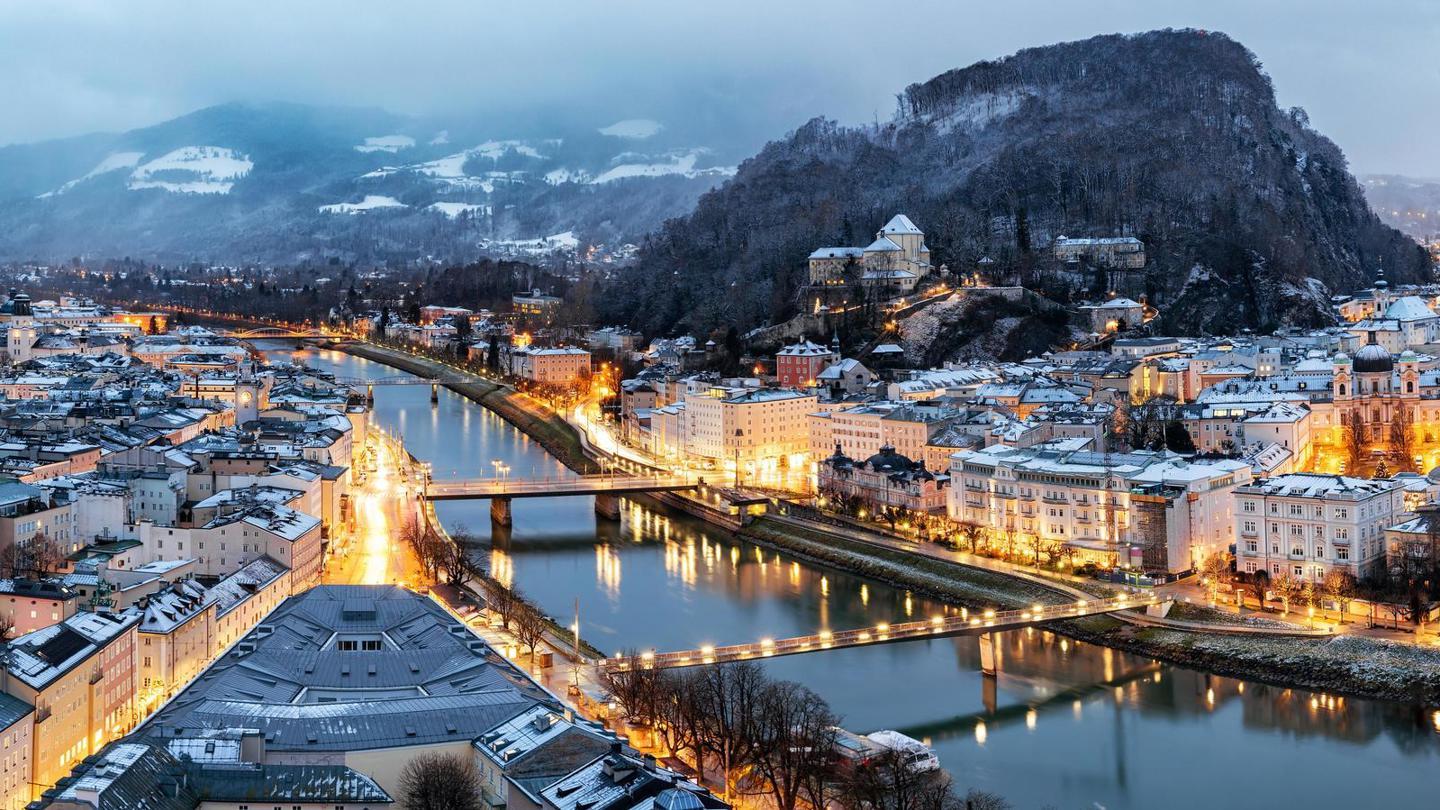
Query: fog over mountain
[[274, 131], [77, 66]]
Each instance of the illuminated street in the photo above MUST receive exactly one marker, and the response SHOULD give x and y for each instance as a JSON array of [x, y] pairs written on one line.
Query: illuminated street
[[384, 504]]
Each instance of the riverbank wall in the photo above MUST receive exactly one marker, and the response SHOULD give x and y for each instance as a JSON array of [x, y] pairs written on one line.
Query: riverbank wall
[[1341, 665], [548, 429]]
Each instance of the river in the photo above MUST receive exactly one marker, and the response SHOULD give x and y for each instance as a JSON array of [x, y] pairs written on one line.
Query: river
[[1065, 724]]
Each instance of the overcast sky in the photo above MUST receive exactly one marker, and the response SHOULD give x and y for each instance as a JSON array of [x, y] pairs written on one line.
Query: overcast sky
[[1366, 71]]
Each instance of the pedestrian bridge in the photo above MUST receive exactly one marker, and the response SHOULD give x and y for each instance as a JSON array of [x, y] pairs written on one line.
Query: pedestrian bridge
[[607, 490], [405, 379], [967, 622], [280, 332]]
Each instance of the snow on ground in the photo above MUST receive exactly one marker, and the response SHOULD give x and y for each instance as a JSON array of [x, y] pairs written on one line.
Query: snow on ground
[[193, 170], [112, 163], [450, 169], [386, 143], [978, 112], [682, 163], [559, 241], [452, 210], [497, 149], [441, 138], [638, 128], [370, 203], [559, 176]]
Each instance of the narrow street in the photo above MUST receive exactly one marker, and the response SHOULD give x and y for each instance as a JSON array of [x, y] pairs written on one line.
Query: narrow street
[[384, 504]]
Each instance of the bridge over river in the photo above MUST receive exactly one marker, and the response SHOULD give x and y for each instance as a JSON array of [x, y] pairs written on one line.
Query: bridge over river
[[967, 622], [607, 489]]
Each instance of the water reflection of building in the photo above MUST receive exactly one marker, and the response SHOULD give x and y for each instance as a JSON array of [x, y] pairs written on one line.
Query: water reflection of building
[[1042, 671]]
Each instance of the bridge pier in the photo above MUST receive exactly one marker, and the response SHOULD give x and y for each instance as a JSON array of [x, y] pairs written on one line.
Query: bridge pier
[[989, 655], [500, 512], [607, 506]]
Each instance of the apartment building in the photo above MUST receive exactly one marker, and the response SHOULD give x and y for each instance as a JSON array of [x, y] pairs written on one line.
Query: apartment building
[[80, 675], [1150, 510], [1307, 524], [861, 432], [749, 425]]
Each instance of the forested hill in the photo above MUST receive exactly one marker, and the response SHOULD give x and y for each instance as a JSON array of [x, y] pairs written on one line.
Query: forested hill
[[1172, 136]]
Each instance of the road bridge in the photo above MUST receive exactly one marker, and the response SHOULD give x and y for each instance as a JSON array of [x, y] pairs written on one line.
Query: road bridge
[[967, 622], [607, 490], [355, 383]]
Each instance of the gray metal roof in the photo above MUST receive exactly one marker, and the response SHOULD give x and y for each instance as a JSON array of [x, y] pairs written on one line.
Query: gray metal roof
[[432, 680]]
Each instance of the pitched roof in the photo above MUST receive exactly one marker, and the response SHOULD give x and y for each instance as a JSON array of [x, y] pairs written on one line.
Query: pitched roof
[[901, 224], [431, 681], [883, 245], [1409, 308]]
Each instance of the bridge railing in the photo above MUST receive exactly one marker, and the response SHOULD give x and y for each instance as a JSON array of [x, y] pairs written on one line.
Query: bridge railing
[[965, 620], [561, 482]]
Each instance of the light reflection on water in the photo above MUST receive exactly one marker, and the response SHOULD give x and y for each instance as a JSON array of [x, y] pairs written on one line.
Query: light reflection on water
[[1066, 723]]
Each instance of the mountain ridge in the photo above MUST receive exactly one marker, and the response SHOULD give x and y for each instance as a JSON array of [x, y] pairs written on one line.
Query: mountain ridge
[[1172, 136]]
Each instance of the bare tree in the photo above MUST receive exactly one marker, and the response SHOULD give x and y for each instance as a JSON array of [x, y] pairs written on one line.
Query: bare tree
[[1402, 431], [1339, 586], [530, 629], [455, 560], [729, 697], [1216, 571], [886, 782], [503, 601], [970, 534], [636, 691], [1286, 587], [795, 741], [441, 782], [1352, 425], [1259, 585]]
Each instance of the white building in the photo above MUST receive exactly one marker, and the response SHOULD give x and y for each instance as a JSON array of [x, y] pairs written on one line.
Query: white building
[[1143, 509], [762, 429], [1306, 524]]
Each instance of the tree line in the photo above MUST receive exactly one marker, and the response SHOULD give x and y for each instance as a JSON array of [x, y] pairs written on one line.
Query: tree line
[[773, 739]]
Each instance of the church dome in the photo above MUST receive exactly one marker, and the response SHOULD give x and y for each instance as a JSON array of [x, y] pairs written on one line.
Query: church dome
[[1373, 358]]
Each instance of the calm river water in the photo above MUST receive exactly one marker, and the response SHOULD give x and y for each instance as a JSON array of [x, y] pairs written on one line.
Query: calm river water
[[1065, 725]]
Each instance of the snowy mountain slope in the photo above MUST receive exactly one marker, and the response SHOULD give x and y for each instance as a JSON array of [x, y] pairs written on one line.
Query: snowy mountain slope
[[284, 182]]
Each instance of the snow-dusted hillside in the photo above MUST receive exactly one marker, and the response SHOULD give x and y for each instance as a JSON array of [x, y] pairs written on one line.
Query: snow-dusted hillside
[[192, 170], [284, 182]]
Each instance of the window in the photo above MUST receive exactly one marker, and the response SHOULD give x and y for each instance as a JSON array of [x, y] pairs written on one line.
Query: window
[[1342, 553]]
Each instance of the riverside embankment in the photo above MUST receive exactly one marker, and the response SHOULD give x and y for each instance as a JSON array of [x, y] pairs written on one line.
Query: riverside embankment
[[546, 427], [1348, 665], [1118, 730], [1360, 667]]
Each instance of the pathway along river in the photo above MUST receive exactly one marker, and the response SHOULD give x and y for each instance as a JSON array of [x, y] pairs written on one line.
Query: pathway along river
[[1067, 725]]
